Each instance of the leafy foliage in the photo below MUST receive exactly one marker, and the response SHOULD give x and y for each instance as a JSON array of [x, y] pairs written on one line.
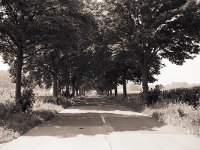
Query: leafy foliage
[[38, 36], [187, 95], [86, 44], [152, 30]]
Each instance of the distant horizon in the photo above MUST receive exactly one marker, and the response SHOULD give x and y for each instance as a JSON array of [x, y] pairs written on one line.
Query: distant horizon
[[188, 72]]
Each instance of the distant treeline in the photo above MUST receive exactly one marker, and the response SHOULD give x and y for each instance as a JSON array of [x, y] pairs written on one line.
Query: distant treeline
[[180, 85], [5, 80], [188, 95]]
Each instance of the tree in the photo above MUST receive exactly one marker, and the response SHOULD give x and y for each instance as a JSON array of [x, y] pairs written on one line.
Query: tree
[[156, 29], [111, 58], [64, 56], [20, 31], [30, 29]]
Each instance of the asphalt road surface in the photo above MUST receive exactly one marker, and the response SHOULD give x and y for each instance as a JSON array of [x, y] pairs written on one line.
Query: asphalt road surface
[[101, 125]]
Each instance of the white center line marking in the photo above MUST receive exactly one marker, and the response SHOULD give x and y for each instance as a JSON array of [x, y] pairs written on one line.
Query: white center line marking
[[103, 119], [101, 115]]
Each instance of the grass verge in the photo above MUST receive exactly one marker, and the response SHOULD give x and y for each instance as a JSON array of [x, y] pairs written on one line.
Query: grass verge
[[14, 123], [177, 114]]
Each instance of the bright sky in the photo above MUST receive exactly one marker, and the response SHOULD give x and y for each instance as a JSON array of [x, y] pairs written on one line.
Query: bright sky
[[2, 65], [188, 72]]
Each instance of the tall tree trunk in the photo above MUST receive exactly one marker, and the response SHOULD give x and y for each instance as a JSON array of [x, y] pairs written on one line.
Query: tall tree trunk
[[116, 91], [55, 85], [145, 86], [73, 85], [67, 90], [77, 93], [124, 84], [77, 89], [19, 65], [84, 92], [110, 92]]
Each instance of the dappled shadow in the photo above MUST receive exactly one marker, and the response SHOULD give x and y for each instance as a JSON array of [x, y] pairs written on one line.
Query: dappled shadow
[[139, 123], [93, 102], [84, 119], [90, 123]]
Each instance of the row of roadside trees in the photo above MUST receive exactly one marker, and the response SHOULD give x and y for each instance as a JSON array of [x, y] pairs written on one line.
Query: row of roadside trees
[[42, 41], [144, 32], [87, 44]]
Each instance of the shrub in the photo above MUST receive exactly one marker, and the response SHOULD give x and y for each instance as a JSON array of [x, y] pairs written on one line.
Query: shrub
[[158, 116], [8, 109], [27, 99]]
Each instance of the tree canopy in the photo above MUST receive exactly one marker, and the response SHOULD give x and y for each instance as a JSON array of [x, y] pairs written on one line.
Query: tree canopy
[[86, 44], [152, 30]]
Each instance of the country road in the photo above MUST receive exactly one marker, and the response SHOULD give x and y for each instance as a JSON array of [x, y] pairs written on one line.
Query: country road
[[101, 125]]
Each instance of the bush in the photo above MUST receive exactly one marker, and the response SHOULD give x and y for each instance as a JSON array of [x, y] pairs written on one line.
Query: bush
[[8, 109], [158, 116], [27, 100]]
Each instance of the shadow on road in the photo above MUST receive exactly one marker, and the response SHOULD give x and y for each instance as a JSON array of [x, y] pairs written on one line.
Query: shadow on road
[[81, 121]]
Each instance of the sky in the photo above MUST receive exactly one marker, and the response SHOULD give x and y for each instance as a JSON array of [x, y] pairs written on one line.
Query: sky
[[2, 65], [188, 72]]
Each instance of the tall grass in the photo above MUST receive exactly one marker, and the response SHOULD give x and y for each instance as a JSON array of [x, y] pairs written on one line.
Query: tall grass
[[177, 114], [7, 134], [46, 110], [14, 123], [168, 111], [6, 95]]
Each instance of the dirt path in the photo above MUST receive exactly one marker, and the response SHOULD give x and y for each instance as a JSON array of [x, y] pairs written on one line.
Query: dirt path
[[102, 126]]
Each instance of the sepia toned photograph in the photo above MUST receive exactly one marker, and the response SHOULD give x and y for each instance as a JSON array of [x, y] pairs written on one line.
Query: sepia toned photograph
[[99, 74]]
